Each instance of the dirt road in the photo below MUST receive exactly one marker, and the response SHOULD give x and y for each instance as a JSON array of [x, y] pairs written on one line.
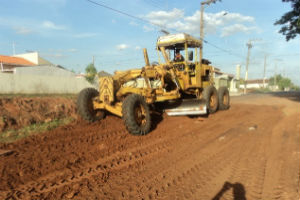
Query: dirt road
[[251, 151]]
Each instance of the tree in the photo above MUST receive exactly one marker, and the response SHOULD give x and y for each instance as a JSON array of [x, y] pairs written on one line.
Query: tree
[[290, 21], [90, 72], [281, 81]]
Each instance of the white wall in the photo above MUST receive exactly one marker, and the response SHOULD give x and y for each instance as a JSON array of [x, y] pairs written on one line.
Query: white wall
[[31, 84], [34, 58], [50, 70], [255, 85]]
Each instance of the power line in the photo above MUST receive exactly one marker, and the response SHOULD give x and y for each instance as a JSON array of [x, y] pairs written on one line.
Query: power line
[[152, 3], [163, 27], [225, 50], [124, 13]]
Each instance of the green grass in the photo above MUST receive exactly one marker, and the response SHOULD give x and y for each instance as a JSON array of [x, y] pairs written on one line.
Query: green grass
[[13, 135]]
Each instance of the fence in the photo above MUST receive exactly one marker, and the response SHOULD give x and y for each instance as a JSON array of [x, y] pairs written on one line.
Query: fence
[[40, 84]]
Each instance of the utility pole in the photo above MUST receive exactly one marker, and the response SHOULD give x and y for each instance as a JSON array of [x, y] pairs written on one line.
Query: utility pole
[[249, 45], [202, 4], [94, 61], [275, 72], [265, 65]]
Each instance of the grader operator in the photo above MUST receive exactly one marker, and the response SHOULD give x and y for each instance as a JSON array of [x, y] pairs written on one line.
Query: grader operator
[[180, 87]]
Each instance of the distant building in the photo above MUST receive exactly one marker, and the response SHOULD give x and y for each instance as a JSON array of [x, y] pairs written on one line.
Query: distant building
[[34, 57], [256, 84], [8, 64], [80, 75], [32, 64], [222, 79]]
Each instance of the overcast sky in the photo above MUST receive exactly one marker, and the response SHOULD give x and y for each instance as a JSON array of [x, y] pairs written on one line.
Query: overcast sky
[[70, 32]]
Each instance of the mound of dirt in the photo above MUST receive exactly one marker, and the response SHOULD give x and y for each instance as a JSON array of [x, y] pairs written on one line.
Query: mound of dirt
[[23, 111]]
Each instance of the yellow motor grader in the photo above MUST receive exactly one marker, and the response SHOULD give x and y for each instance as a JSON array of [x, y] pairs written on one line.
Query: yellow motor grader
[[184, 87]]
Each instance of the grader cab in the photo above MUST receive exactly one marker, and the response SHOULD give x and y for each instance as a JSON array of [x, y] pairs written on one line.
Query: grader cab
[[184, 87]]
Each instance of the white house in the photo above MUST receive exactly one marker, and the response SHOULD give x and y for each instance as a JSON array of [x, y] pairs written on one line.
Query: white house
[[227, 80], [256, 84], [34, 58], [9, 64]]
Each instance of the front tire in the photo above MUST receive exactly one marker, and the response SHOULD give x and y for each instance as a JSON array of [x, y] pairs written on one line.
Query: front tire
[[136, 114], [210, 95], [85, 105], [224, 98]]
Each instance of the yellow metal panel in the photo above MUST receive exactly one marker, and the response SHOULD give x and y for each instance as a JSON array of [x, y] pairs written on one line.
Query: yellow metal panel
[[146, 57], [106, 85], [198, 74], [150, 73], [165, 55], [193, 80], [115, 109], [181, 83], [130, 90], [205, 84], [168, 96], [124, 76]]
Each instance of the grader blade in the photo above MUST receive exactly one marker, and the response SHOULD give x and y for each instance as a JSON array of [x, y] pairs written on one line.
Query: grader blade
[[187, 107]]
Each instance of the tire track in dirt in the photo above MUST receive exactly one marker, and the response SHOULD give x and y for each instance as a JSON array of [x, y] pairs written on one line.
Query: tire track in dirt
[[186, 135], [247, 176], [285, 175], [58, 153], [183, 158], [30, 189], [249, 173], [111, 163], [235, 172], [87, 139], [190, 180], [154, 178]]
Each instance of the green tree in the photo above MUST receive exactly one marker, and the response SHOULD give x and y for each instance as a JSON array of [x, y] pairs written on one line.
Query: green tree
[[290, 21], [90, 72], [281, 81]]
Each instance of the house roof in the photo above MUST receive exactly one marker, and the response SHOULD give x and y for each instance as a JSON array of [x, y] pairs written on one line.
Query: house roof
[[218, 72], [15, 61]]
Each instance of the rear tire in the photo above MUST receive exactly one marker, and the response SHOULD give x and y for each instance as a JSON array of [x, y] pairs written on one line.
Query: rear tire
[[85, 105], [136, 114], [210, 95], [224, 98]]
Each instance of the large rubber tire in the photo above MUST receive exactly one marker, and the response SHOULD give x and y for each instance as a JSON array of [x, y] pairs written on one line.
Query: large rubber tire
[[224, 98], [85, 105], [210, 95], [136, 114]]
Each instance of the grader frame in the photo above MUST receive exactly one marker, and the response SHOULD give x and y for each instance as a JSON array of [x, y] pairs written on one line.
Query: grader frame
[[161, 82]]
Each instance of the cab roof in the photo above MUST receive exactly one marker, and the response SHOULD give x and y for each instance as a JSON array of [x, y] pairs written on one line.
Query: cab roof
[[172, 41]]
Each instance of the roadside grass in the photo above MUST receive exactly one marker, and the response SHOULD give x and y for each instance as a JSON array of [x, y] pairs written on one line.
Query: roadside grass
[[70, 96], [13, 135]]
